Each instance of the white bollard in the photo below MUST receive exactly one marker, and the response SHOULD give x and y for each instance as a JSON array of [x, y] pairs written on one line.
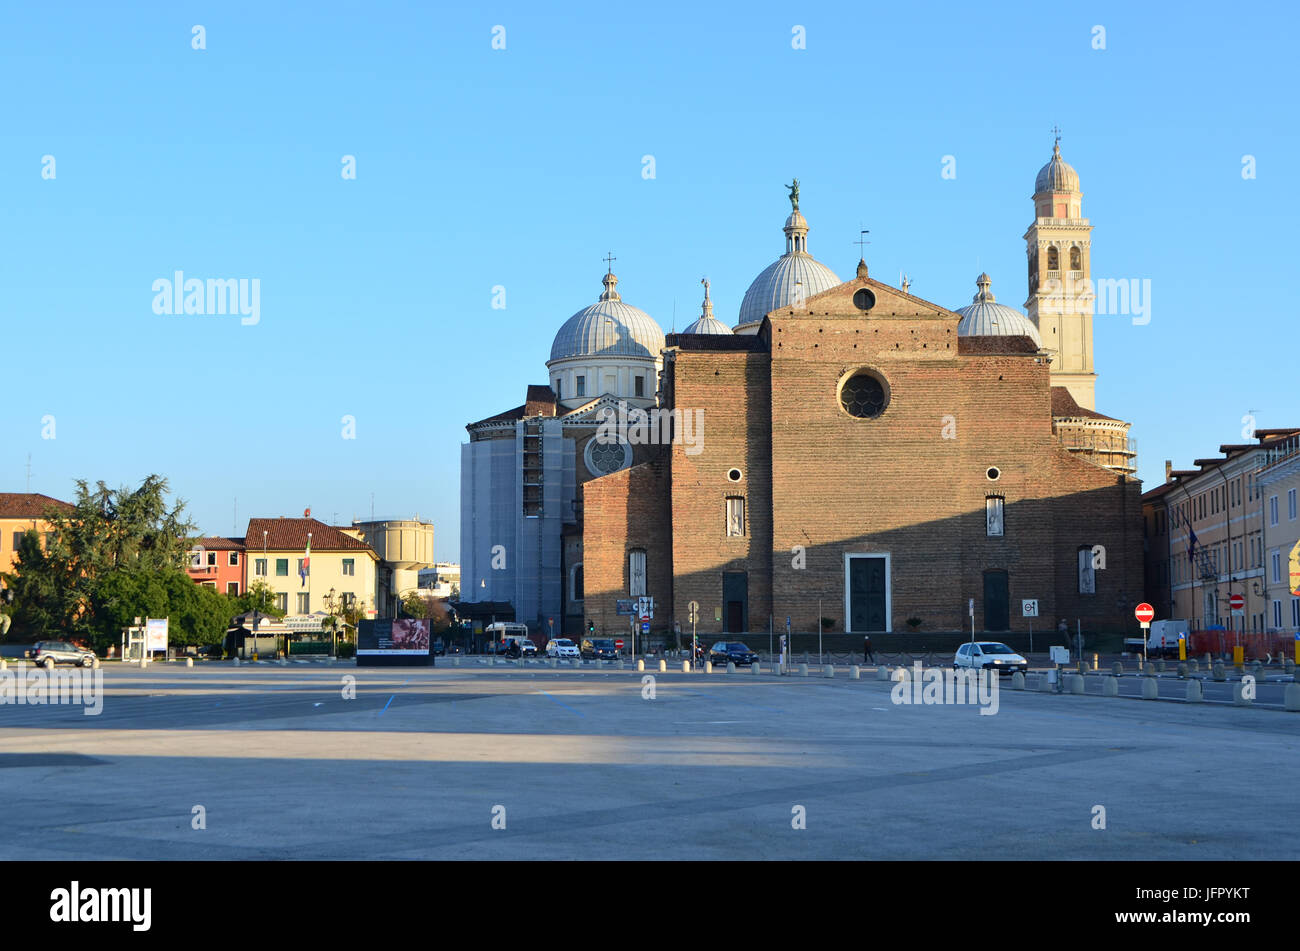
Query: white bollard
[[236, 660], [1291, 697], [4, 665], [731, 667], [1194, 693], [1110, 687], [854, 672], [778, 669], [1239, 697], [803, 670], [640, 665], [189, 661], [1150, 688], [1018, 681], [828, 671], [554, 662], [686, 666], [882, 672], [708, 666], [663, 666], [755, 668], [1075, 683]]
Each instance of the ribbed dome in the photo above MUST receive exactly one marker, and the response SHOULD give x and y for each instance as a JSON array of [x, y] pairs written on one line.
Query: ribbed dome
[[794, 276], [985, 317], [1056, 175], [706, 323], [609, 327]]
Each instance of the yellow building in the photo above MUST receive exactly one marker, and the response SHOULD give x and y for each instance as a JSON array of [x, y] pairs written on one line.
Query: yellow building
[[20, 512], [338, 566]]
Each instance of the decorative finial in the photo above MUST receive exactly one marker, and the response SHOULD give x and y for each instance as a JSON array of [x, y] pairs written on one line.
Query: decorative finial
[[794, 194], [610, 281], [984, 282], [1056, 131], [707, 309]]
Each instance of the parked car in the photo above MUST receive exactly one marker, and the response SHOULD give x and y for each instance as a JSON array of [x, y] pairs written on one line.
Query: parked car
[[733, 651], [212, 651], [562, 647], [49, 653], [599, 648], [439, 648], [989, 655]]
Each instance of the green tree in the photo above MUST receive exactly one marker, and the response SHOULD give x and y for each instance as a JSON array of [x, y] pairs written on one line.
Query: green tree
[[414, 605]]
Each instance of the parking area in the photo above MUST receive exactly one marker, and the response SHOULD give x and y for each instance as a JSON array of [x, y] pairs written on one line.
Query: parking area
[[326, 761]]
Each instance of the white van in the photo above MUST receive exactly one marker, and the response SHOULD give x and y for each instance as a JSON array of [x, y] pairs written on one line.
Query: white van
[[1163, 636]]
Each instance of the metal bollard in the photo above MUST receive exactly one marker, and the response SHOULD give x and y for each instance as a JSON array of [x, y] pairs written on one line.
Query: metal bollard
[[1194, 692], [1110, 686], [1018, 681], [1150, 689], [828, 671], [854, 672]]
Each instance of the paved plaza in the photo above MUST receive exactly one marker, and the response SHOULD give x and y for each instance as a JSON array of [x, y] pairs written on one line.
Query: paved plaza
[[601, 764]]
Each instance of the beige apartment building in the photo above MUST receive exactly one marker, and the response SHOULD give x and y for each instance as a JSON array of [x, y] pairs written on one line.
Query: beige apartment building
[[1227, 527], [341, 568]]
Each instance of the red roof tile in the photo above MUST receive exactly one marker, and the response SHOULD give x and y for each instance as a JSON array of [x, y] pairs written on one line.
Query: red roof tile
[[290, 534], [1063, 404], [29, 505]]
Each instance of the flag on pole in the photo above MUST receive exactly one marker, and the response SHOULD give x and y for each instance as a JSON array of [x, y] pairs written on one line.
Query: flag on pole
[[305, 568], [1191, 544]]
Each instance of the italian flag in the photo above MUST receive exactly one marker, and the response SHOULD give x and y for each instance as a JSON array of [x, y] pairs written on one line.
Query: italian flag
[[305, 570]]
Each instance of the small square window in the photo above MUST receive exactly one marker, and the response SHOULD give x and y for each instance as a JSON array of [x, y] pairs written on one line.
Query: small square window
[[349, 566], [234, 558], [282, 567], [259, 567]]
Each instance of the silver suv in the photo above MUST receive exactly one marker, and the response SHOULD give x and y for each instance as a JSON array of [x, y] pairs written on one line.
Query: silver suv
[[49, 653]]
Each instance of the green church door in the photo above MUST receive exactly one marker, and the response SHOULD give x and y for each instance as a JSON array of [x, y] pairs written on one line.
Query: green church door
[[997, 604], [867, 594]]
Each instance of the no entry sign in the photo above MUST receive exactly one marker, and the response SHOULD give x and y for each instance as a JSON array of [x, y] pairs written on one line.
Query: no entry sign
[[1238, 602], [1144, 612]]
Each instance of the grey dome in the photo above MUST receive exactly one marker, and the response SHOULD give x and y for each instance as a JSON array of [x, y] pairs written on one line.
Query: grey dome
[[1057, 175], [985, 317], [794, 276], [609, 327], [706, 323]]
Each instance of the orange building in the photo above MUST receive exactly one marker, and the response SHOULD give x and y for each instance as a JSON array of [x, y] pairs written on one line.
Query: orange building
[[20, 512]]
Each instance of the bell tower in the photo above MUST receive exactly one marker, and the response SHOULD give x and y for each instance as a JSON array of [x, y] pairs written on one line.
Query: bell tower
[[1060, 285]]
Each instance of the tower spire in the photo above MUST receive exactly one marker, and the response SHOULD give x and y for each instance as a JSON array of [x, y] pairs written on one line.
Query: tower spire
[[707, 310]]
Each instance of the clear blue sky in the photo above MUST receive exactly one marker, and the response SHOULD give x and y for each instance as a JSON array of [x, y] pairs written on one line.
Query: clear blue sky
[[522, 168]]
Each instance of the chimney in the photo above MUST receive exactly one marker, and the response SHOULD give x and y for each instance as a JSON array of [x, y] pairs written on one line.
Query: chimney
[[1169, 470]]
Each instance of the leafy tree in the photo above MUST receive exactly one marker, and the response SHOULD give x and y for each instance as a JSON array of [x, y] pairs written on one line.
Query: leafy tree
[[259, 597], [414, 605]]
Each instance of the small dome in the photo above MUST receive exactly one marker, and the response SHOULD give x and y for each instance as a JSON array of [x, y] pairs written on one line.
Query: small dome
[[609, 327], [706, 323], [985, 317], [1056, 175]]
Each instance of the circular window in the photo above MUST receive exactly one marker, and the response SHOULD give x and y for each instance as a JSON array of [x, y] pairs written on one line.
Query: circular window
[[734, 475], [993, 474], [863, 395], [864, 299], [602, 458]]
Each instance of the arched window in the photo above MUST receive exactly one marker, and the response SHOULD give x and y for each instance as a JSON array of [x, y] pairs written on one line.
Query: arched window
[[1076, 259], [1053, 259]]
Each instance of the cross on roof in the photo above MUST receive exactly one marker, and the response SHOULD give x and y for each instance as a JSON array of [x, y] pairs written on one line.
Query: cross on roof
[[609, 261], [861, 242], [1056, 131]]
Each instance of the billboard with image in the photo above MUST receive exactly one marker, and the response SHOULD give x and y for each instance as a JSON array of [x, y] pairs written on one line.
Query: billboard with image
[[393, 637]]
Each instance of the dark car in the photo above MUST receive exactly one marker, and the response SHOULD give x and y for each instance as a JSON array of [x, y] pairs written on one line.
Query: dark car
[[600, 648], [439, 648], [733, 651], [213, 651], [49, 653]]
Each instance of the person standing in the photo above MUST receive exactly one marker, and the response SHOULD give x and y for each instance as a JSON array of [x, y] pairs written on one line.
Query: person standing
[[867, 653]]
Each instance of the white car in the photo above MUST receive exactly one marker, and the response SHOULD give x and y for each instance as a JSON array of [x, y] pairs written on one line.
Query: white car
[[990, 655], [562, 647]]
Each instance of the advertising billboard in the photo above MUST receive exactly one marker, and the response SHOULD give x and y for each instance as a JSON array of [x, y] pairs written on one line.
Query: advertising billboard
[[155, 634], [393, 637]]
